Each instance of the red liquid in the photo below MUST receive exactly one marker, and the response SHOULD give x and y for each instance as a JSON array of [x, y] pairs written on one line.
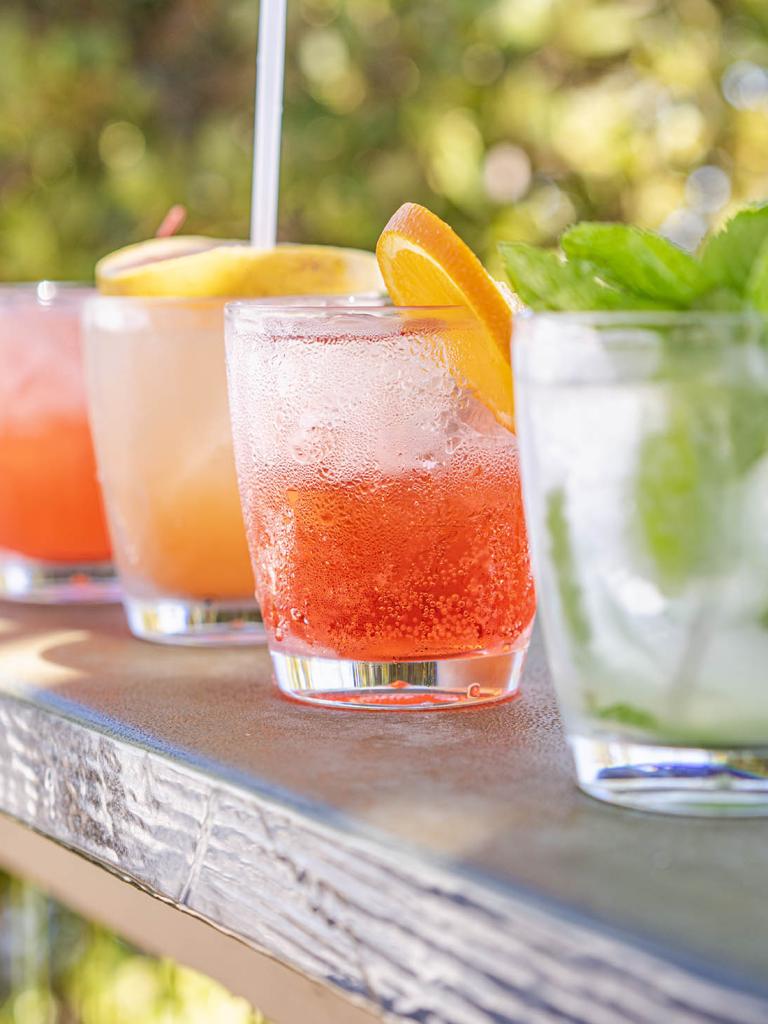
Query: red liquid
[[428, 564]]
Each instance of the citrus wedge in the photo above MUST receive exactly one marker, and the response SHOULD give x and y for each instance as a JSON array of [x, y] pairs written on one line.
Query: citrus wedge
[[425, 263], [195, 267]]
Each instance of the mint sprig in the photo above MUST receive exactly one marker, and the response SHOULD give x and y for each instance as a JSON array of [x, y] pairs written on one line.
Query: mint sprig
[[543, 280], [732, 258], [617, 266], [641, 262], [628, 714], [680, 472], [561, 553]]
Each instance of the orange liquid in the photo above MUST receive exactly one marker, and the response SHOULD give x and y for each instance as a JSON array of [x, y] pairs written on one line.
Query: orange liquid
[[50, 505], [161, 422], [191, 536], [50, 502], [422, 565]]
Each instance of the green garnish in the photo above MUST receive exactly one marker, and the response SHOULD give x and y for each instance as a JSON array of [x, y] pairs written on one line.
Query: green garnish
[[617, 266], [544, 281], [730, 257], [626, 714], [561, 554], [713, 430], [748, 425], [677, 488], [641, 262]]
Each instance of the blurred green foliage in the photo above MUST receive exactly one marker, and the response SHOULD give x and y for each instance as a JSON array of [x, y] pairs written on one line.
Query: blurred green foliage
[[511, 118], [56, 968]]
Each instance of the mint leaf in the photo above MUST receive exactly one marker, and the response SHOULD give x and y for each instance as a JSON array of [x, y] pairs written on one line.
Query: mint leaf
[[620, 267], [639, 261], [748, 426], [757, 284], [679, 487], [564, 564], [626, 714], [727, 258], [545, 281]]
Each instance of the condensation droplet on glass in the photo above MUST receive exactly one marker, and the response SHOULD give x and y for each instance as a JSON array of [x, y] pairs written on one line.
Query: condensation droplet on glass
[[473, 690], [299, 453]]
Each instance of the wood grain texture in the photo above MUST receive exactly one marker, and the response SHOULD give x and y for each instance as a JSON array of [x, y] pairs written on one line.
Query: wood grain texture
[[409, 860], [284, 996]]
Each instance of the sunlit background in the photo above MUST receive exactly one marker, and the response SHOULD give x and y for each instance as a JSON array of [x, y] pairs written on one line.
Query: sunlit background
[[511, 118], [56, 968]]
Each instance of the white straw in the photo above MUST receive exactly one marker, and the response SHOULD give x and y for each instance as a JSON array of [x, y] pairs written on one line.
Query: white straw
[[268, 123]]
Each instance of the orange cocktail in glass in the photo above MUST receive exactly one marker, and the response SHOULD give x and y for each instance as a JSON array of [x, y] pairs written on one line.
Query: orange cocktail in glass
[[53, 536], [158, 400], [160, 420]]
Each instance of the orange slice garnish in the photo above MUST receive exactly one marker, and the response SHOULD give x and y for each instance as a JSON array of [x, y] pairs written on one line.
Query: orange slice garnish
[[425, 263]]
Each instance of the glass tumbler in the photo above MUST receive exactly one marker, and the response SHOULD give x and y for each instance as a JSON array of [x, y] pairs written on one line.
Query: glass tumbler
[[54, 545], [382, 508], [644, 447], [158, 403]]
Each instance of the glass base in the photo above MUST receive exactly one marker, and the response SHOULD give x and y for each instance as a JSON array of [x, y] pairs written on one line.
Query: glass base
[[171, 620], [674, 780], [399, 685], [35, 581]]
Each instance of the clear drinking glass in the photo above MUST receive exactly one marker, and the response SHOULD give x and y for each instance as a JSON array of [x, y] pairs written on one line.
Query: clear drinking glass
[[158, 400], [644, 447], [54, 545], [382, 507]]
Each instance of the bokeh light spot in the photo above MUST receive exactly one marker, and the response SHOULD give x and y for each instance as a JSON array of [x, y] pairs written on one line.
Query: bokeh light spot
[[482, 64], [708, 188], [323, 55], [121, 145], [456, 149], [745, 85], [506, 173], [681, 132], [522, 23], [685, 228]]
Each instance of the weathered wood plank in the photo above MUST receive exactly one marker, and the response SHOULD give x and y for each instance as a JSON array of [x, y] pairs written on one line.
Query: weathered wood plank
[[439, 868]]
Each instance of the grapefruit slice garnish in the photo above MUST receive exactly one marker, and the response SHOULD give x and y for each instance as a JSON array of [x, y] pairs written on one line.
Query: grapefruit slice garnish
[[425, 263], [195, 267]]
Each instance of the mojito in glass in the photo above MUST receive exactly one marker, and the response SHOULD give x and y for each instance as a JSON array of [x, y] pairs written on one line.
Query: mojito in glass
[[644, 444]]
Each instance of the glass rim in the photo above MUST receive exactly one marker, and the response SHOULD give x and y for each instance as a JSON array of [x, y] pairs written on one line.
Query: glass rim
[[36, 290], [613, 347], [643, 317], [248, 309], [344, 301]]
